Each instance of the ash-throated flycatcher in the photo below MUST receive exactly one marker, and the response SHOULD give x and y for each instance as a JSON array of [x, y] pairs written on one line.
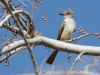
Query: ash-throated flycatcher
[[65, 32]]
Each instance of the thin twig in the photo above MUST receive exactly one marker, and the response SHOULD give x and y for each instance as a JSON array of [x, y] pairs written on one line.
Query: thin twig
[[78, 58], [77, 38]]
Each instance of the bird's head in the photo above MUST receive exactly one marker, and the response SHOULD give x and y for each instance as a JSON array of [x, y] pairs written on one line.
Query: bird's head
[[67, 13]]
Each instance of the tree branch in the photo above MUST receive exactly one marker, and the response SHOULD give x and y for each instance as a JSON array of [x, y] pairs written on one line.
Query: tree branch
[[30, 48], [12, 53], [58, 45], [15, 29]]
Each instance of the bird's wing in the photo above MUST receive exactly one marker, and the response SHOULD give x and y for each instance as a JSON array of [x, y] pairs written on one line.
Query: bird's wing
[[75, 27], [54, 53], [60, 30]]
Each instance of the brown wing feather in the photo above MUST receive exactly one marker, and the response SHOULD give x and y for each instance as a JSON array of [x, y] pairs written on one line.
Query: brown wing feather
[[60, 30], [54, 53]]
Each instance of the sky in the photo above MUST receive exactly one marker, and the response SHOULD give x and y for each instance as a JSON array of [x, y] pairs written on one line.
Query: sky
[[86, 15]]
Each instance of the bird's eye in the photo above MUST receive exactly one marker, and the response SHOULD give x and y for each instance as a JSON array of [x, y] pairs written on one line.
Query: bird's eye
[[68, 13]]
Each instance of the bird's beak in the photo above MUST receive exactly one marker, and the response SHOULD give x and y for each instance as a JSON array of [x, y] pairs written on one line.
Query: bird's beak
[[61, 14]]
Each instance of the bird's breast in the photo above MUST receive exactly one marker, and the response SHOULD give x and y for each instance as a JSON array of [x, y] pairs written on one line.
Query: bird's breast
[[68, 29]]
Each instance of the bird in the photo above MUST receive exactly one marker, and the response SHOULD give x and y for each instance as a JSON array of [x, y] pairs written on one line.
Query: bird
[[65, 32]]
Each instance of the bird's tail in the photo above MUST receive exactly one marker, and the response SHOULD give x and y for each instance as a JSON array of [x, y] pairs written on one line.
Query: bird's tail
[[52, 57]]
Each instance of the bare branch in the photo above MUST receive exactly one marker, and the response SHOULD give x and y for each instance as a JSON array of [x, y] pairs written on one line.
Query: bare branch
[[82, 36], [78, 58], [58, 45], [12, 53], [15, 29], [7, 17], [30, 48]]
